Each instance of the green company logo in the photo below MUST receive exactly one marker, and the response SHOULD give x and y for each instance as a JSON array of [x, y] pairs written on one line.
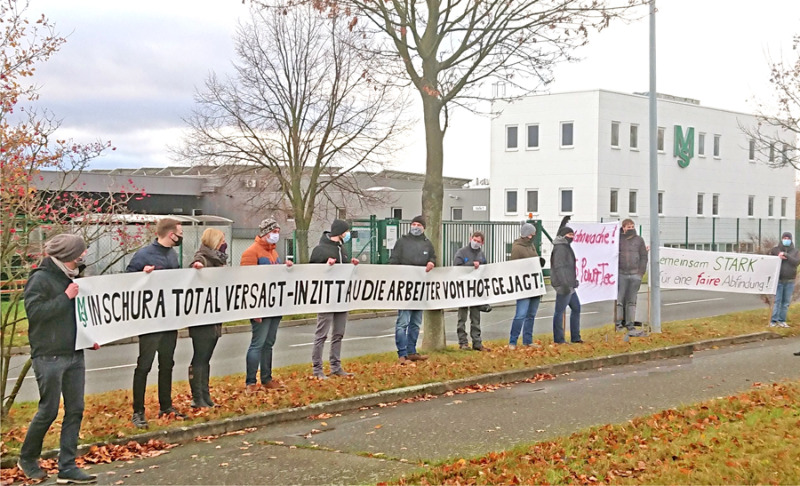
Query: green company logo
[[83, 317], [684, 146]]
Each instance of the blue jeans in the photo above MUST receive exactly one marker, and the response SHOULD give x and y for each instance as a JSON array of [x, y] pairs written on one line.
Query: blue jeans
[[523, 320], [406, 331], [57, 375], [562, 301], [260, 351], [783, 297]]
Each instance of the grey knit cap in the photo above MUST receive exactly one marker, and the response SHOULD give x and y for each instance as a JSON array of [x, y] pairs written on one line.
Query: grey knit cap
[[527, 230], [65, 247], [267, 226]]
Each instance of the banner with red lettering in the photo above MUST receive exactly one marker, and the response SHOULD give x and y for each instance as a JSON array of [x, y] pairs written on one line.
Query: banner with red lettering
[[596, 247]]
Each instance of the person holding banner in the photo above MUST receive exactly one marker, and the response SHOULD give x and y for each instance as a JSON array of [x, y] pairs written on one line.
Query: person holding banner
[[330, 250], [471, 254], [212, 253], [417, 250], [160, 255], [790, 259], [526, 308], [49, 298], [563, 278], [632, 266], [264, 329]]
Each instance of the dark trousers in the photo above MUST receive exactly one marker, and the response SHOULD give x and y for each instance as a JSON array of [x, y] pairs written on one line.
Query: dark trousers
[[474, 325], [164, 344], [204, 340], [56, 376], [574, 303]]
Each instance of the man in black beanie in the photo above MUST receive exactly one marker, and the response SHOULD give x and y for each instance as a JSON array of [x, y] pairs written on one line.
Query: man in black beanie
[[60, 370], [411, 249], [564, 280]]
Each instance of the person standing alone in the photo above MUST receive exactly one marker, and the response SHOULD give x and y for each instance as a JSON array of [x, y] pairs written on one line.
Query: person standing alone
[[632, 266], [790, 259]]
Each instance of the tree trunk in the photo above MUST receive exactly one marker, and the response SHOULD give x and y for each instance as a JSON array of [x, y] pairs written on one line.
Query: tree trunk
[[301, 240], [432, 200]]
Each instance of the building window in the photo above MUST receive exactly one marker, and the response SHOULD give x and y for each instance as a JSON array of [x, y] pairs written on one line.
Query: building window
[[397, 213], [660, 139], [701, 145], [511, 137], [511, 201], [771, 206], [341, 213], [661, 203], [456, 214], [772, 152], [634, 137], [715, 205], [615, 134], [783, 207], [700, 198], [566, 200], [632, 202], [785, 154], [716, 145], [567, 134], [751, 151], [751, 203], [533, 201], [613, 204], [533, 137]]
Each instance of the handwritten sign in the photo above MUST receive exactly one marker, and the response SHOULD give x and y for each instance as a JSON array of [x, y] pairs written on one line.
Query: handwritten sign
[[596, 247], [718, 271]]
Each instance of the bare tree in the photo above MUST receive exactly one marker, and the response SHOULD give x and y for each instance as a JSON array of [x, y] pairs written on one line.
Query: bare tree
[[774, 138], [303, 104]]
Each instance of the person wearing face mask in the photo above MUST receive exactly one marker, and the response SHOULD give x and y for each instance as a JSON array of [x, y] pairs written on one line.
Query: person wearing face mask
[[790, 259], [526, 308], [331, 251], [265, 329], [563, 278], [471, 255], [49, 299], [411, 249], [212, 253], [632, 266], [160, 255]]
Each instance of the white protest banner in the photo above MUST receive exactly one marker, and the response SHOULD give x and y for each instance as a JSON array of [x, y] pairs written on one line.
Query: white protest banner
[[112, 307], [723, 272], [596, 247]]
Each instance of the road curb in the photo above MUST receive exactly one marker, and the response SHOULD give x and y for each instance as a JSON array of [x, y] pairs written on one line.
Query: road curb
[[217, 427]]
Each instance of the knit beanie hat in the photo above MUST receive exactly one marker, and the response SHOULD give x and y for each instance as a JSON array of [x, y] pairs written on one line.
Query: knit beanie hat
[[339, 227], [564, 230], [419, 219], [786, 234], [527, 230], [65, 247], [267, 226]]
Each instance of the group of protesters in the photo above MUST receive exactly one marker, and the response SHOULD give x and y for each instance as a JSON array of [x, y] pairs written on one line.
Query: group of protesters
[[60, 369]]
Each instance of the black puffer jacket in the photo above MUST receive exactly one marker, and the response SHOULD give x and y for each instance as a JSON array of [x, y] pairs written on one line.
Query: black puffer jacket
[[327, 248], [562, 266], [413, 250], [161, 257], [51, 314], [788, 266]]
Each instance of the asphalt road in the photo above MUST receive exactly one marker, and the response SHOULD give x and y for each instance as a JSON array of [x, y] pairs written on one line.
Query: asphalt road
[[111, 367]]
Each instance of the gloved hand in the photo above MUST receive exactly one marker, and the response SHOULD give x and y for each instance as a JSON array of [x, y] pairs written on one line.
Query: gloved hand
[[542, 261]]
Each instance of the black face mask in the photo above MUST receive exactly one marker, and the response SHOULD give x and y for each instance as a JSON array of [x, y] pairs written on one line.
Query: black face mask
[[629, 232], [223, 248], [180, 240], [569, 240]]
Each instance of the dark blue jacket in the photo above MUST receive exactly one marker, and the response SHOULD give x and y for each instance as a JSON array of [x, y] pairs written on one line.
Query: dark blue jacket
[[412, 250], [328, 248], [51, 314], [161, 257]]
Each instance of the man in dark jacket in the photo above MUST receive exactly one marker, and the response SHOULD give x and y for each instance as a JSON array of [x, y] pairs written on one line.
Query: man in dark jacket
[[471, 254], [790, 259], [59, 369], [632, 265], [331, 251], [157, 256], [563, 278], [411, 249]]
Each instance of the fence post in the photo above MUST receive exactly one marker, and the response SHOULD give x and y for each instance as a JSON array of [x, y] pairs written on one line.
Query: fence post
[[759, 231], [686, 233], [713, 234], [737, 235]]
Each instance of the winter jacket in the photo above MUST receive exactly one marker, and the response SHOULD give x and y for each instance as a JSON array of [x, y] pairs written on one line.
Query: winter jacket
[[413, 250], [260, 253], [466, 256], [523, 248], [159, 256], [327, 248], [788, 266], [51, 314], [632, 255], [209, 258], [562, 266]]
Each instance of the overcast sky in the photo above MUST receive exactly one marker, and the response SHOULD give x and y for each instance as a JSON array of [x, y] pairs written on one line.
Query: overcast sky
[[129, 70]]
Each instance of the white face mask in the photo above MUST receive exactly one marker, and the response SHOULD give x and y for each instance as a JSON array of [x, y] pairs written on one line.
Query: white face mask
[[475, 245], [273, 238], [416, 230]]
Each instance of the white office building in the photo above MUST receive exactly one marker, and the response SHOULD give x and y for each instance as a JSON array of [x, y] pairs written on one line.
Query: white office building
[[586, 154]]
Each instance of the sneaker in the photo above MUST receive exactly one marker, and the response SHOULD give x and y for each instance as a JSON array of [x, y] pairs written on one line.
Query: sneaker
[[619, 326], [797, 353], [417, 357], [139, 420], [251, 389], [318, 375], [773, 324], [75, 476], [512, 346], [482, 348], [341, 373], [464, 347], [32, 470], [579, 341], [783, 324], [273, 385], [171, 411], [403, 360], [532, 345]]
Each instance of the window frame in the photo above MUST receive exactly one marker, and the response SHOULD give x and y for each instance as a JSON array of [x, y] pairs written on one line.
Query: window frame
[[633, 197], [613, 201], [633, 137], [561, 134], [453, 213], [751, 206], [661, 135], [515, 148], [561, 192], [615, 125], [701, 144], [715, 205], [528, 146], [701, 199], [516, 201], [717, 149], [527, 201]]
